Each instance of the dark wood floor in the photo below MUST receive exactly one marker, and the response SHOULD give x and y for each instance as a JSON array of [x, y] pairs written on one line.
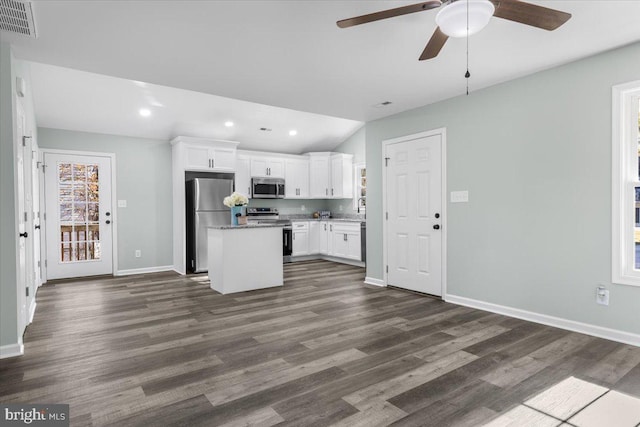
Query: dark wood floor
[[160, 349]]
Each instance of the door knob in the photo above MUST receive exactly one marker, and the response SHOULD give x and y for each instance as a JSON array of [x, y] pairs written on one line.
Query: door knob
[[107, 222], [25, 234], [436, 227], [108, 213], [437, 215]]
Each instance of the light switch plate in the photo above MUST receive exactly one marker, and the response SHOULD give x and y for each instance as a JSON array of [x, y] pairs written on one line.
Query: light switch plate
[[459, 196], [122, 203]]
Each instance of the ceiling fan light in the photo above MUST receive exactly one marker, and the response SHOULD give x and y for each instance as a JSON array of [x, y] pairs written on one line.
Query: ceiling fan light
[[452, 18]]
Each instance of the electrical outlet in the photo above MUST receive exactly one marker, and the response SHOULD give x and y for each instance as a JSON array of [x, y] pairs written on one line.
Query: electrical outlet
[[459, 196], [340, 208], [122, 203], [303, 208], [138, 253], [602, 295]]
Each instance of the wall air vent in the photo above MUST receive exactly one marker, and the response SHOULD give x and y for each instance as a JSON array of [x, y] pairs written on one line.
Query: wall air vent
[[17, 17]]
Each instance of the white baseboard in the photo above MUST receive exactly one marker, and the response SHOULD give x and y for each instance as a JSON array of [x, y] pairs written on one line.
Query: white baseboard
[[32, 310], [144, 270], [374, 282], [558, 322], [11, 350]]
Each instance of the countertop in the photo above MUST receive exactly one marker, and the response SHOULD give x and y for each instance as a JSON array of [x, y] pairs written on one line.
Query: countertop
[[357, 220], [237, 227]]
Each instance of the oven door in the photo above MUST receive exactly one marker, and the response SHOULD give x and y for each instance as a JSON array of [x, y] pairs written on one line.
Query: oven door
[[287, 243]]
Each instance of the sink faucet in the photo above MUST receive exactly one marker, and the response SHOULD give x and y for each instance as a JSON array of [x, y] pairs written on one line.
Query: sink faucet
[[358, 203]]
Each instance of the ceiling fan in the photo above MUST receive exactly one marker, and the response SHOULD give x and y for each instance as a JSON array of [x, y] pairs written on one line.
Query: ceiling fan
[[460, 18]]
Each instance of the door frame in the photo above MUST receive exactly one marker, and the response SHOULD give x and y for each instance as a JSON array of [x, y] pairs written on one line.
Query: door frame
[[114, 203], [443, 164]]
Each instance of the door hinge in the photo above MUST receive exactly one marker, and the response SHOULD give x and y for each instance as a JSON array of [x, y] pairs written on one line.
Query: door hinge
[[27, 291], [386, 161], [44, 215], [25, 217], [45, 262], [39, 264], [387, 215], [24, 140], [387, 268]]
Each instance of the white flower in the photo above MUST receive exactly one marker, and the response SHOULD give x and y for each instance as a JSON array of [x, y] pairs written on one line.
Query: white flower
[[235, 199]]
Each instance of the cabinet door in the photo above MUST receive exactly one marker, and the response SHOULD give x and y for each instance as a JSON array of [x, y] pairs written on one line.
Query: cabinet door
[[319, 177], [291, 179], [243, 176], [324, 238], [223, 159], [339, 244], [300, 242], [315, 228], [275, 168], [259, 167], [303, 179], [353, 246], [336, 178], [197, 158]]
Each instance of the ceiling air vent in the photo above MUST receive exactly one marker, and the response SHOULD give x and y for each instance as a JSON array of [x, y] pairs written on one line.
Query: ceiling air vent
[[17, 17]]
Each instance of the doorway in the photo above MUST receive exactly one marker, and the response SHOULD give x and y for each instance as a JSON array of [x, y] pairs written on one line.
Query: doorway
[[79, 215], [414, 212]]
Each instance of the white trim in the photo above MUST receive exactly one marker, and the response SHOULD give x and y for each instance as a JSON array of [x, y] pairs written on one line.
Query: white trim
[[144, 270], [622, 243], [374, 282], [443, 164], [558, 322], [11, 350], [32, 310], [114, 211]]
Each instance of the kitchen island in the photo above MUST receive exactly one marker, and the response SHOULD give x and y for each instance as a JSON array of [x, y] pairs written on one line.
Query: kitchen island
[[245, 257]]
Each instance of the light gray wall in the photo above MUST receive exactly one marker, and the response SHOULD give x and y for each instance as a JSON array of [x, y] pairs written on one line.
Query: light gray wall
[[143, 179], [356, 145], [535, 155], [8, 224]]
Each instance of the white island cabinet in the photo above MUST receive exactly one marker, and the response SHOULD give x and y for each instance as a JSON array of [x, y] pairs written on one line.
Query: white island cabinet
[[244, 258]]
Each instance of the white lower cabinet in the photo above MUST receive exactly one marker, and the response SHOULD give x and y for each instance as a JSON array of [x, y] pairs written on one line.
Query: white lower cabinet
[[345, 240], [300, 238], [337, 239]]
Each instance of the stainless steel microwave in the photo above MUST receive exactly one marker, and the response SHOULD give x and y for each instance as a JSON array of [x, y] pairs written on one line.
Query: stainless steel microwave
[[267, 188]]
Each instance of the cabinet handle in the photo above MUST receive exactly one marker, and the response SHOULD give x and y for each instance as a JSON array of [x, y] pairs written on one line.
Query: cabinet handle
[[209, 163], [330, 227], [326, 191], [344, 237], [248, 191], [213, 163], [294, 236], [332, 191], [325, 227]]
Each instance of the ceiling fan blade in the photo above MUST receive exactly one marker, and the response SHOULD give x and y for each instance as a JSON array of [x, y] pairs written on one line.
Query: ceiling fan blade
[[530, 14], [438, 39], [390, 13]]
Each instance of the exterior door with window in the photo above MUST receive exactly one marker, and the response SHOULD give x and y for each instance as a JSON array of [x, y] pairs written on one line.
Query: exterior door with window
[[414, 208], [78, 215]]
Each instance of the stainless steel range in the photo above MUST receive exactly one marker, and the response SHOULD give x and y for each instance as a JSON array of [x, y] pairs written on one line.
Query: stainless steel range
[[272, 216]]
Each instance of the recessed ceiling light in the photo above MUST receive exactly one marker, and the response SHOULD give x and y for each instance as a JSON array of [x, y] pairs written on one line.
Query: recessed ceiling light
[[228, 123], [145, 112], [293, 132]]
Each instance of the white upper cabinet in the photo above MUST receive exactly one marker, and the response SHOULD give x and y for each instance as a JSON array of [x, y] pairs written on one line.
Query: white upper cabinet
[[319, 175], [201, 154], [271, 167], [243, 175], [296, 178], [341, 176]]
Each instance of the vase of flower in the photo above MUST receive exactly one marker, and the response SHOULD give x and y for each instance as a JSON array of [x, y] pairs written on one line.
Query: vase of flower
[[236, 202]]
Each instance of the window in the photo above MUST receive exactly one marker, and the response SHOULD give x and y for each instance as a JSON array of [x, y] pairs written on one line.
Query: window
[[360, 187], [626, 184]]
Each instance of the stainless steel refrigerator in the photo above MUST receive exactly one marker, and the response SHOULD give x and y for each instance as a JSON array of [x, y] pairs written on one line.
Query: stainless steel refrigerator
[[204, 208]]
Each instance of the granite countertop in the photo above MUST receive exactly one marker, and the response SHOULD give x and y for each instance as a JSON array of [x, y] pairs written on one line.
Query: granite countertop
[[358, 220], [236, 227]]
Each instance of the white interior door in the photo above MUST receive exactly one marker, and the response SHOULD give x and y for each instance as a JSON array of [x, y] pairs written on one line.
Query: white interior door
[[79, 216], [22, 284], [414, 206]]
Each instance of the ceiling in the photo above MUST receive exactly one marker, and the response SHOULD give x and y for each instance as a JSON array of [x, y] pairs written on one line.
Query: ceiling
[[290, 54]]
